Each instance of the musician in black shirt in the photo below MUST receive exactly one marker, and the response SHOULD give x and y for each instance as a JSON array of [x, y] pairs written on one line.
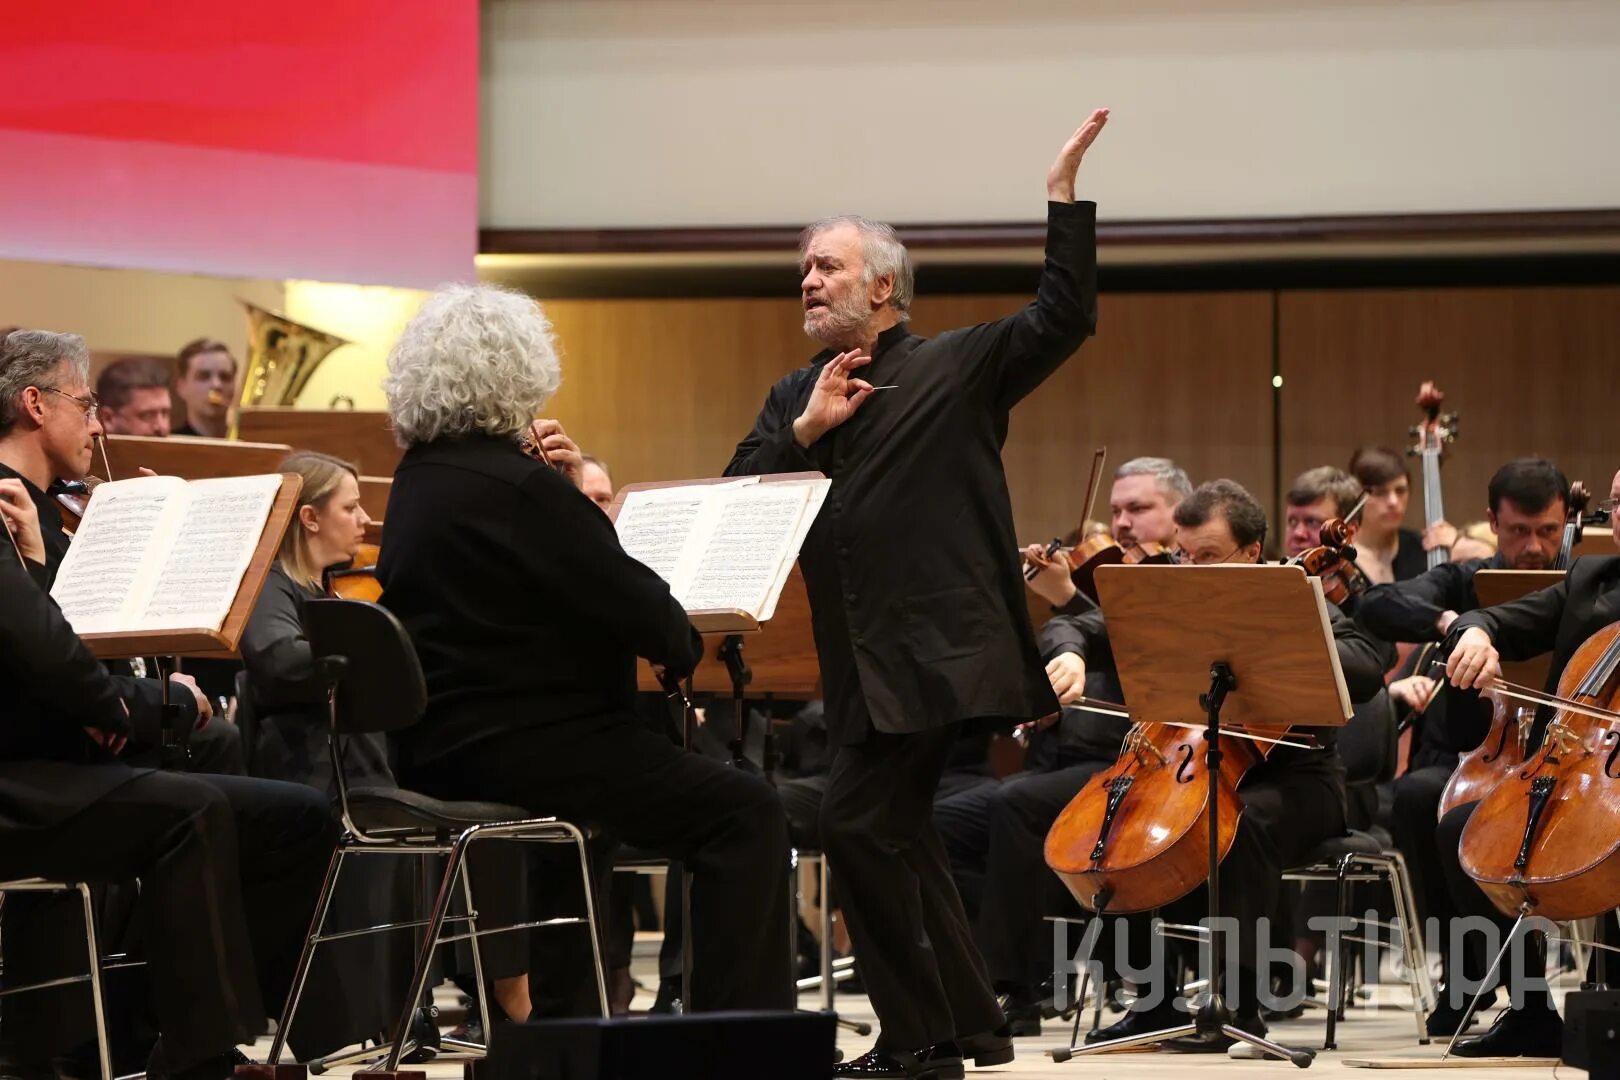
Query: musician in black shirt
[[528, 618], [1526, 510]]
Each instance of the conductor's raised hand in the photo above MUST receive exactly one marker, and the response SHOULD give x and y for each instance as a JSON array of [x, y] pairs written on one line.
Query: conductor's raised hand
[[1060, 178], [560, 451], [836, 396]]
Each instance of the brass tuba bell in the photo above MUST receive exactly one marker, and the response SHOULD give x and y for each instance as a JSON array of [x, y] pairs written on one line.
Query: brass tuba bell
[[281, 357]]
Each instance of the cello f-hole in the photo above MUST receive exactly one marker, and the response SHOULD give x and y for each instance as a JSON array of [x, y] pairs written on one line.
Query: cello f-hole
[[1614, 753], [1184, 770]]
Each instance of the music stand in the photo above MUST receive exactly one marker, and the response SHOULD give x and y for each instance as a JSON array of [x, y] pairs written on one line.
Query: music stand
[[774, 656], [1235, 644]]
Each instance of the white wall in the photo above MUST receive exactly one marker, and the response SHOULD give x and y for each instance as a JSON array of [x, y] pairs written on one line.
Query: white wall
[[698, 112]]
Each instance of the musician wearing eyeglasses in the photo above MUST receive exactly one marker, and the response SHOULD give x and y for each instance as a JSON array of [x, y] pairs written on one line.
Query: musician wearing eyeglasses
[[1293, 801], [228, 868]]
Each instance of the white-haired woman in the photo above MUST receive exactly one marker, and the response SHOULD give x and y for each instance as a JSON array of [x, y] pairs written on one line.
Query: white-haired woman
[[528, 617]]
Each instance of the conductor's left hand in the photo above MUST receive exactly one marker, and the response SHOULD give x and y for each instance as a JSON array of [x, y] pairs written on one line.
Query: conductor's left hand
[[1060, 178]]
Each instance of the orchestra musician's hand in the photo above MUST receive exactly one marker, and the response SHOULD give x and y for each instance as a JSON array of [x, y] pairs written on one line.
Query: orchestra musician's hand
[[1443, 623], [22, 518], [1441, 535], [561, 451], [1060, 178], [836, 396], [1414, 691], [111, 742], [204, 709], [1474, 662], [1067, 671], [1054, 582]]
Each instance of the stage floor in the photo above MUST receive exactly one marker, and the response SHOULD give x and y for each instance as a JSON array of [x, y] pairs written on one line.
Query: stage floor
[[1386, 1033]]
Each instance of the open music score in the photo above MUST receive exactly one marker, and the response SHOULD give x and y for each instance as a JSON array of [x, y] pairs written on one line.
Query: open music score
[[781, 651], [163, 566], [726, 547]]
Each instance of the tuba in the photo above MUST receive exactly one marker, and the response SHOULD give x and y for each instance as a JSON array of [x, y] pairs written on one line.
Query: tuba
[[281, 357]]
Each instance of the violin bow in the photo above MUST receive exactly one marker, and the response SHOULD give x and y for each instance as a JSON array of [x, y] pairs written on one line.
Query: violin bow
[[1109, 708]]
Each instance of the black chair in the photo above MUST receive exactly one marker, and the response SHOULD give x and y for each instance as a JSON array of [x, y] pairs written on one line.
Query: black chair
[[1368, 747], [375, 685]]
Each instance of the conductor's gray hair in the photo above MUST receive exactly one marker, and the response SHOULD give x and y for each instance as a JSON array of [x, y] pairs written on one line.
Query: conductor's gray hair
[[881, 251], [476, 358], [32, 358], [1170, 477]]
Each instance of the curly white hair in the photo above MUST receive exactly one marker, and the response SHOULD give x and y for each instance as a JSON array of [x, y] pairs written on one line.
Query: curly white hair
[[475, 358]]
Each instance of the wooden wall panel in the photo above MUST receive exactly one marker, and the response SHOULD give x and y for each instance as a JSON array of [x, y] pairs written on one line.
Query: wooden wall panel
[[1529, 370], [1184, 376], [664, 389]]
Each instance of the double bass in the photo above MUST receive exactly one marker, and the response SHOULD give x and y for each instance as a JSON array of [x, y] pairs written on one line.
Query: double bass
[[1506, 745], [1546, 838], [1136, 837], [1430, 437]]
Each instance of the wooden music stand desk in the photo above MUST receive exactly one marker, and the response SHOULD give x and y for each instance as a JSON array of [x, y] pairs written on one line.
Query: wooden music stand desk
[[190, 458], [1247, 646], [781, 653], [1494, 587], [204, 642]]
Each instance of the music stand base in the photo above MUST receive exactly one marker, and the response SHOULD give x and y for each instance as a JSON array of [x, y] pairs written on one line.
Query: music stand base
[[1300, 1058]]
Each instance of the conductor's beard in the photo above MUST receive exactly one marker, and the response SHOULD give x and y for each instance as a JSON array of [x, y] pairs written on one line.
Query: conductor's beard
[[840, 322]]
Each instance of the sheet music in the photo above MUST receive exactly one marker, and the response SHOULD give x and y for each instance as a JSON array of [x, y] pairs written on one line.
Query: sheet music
[[658, 526], [722, 545], [751, 539], [112, 559], [213, 546]]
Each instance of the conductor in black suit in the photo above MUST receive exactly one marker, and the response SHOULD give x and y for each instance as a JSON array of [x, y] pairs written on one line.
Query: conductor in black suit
[[916, 596]]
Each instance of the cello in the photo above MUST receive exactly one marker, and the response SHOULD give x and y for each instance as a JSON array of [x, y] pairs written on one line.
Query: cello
[[1546, 838], [1506, 745], [1136, 837]]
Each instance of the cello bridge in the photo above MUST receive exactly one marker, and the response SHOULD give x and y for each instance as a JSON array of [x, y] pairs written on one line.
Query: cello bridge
[[1138, 743]]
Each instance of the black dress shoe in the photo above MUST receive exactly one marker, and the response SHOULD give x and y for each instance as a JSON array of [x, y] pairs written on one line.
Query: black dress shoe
[[942, 1061], [989, 1048], [1140, 1022], [1442, 1023], [1532, 1032], [1023, 1019], [1217, 1042]]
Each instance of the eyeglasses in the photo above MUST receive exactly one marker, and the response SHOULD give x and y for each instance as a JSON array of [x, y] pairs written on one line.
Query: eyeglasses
[[90, 402], [1182, 558]]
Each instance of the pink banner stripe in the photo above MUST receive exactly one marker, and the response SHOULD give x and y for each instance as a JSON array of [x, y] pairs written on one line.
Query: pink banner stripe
[[155, 206]]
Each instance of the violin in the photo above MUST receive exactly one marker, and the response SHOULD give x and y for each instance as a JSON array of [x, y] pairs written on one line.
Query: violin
[[358, 579], [1546, 838], [1056, 548], [1334, 561], [1576, 500], [1136, 837], [1103, 550], [73, 496], [1430, 438]]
